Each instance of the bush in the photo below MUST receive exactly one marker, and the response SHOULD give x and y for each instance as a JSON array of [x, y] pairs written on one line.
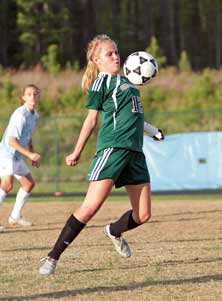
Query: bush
[[75, 66], [153, 98], [50, 60], [46, 105], [202, 93], [9, 98], [184, 63], [73, 99], [156, 52]]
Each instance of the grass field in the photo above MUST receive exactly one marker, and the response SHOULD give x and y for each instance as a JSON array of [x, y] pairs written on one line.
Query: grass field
[[176, 256]]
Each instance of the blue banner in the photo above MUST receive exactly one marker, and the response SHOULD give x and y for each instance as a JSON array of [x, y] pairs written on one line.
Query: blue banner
[[185, 161]]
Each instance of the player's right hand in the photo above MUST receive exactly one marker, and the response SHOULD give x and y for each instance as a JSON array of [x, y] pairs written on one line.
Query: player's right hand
[[72, 160]]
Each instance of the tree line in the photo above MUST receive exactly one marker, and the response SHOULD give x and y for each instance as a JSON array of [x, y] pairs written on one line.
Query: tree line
[[30, 29]]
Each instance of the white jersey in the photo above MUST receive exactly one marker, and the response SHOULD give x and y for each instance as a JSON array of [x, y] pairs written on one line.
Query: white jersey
[[21, 126]]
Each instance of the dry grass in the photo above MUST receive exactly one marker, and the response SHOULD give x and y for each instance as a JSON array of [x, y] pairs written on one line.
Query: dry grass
[[176, 256], [53, 84]]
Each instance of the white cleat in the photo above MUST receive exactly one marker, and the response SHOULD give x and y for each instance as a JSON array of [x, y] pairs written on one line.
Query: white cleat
[[120, 243], [48, 266], [19, 222]]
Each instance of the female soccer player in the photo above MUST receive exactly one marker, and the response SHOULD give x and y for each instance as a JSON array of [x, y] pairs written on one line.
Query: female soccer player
[[119, 159], [17, 141]]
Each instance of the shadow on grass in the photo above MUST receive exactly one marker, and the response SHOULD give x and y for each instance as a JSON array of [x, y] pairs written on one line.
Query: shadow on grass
[[190, 212], [176, 220], [129, 287], [27, 249], [11, 230], [22, 230], [188, 240], [189, 261]]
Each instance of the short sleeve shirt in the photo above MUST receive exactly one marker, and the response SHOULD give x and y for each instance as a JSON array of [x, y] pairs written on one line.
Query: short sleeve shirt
[[122, 119], [21, 126]]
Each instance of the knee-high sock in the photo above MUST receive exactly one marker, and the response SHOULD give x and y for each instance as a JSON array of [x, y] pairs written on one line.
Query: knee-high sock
[[71, 229], [125, 223], [20, 200], [2, 195]]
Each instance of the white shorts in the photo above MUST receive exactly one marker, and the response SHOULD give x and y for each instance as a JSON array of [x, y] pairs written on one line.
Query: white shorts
[[16, 168]]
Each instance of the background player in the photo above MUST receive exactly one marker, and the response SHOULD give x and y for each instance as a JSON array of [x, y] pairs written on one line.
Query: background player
[[17, 141], [119, 159]]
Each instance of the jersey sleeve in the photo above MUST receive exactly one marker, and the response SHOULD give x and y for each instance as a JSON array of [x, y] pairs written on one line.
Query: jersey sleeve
[[96, 94], [94, 101], [15, 125]]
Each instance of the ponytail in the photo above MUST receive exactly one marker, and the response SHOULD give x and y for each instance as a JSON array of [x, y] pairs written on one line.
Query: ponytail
[[92, 71], [89, 75]]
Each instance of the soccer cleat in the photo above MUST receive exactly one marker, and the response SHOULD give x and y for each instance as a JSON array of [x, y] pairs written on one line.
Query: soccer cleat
[[48, 266], [120, 243], [19, 222]]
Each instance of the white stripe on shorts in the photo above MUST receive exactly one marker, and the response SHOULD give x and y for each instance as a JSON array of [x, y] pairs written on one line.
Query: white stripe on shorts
[[100, 164]]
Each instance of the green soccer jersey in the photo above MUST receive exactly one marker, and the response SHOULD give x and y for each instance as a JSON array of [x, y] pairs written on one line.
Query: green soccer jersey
[[122, 119]]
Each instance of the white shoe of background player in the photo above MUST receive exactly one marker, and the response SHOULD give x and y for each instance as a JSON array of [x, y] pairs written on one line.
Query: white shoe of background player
[[20, 222]]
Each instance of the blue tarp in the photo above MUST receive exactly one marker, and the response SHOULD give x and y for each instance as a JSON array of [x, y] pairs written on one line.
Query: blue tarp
[[185, 161]]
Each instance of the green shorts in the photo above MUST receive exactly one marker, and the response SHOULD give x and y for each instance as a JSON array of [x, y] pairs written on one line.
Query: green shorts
[[124, 166]]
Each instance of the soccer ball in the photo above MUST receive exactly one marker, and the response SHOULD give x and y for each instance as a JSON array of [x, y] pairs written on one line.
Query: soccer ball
[[140, 68]]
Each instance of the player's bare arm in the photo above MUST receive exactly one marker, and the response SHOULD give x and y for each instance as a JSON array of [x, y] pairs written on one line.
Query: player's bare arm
[[34, 157], [86, 131]]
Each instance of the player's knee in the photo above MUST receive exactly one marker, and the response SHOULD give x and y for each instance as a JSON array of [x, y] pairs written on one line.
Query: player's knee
[[7, 187], [32, 185], [144, 217], [28, 187]]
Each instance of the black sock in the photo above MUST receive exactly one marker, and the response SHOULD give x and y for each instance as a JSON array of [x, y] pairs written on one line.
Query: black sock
[[71, 229], [125, 223]]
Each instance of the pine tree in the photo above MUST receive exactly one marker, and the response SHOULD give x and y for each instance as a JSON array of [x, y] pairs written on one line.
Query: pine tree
[[156, 52], [184, 63]]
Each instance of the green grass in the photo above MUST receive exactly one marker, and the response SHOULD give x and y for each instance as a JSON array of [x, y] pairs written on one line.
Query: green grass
[[113, 197], [81, 188]]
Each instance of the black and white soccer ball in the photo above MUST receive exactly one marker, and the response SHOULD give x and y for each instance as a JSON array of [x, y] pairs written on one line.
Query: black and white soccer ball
[[140, 68]]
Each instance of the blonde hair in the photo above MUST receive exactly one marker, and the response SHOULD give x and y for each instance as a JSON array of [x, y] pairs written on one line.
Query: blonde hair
[[92, 71], [23, 92]]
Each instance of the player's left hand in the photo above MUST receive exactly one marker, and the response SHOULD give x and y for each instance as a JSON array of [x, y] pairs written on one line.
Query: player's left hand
[[159, 136]]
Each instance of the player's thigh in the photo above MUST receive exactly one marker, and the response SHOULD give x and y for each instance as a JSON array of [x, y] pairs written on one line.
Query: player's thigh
[[95, 197], [140, 200], [98, 191], [7, 182]]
